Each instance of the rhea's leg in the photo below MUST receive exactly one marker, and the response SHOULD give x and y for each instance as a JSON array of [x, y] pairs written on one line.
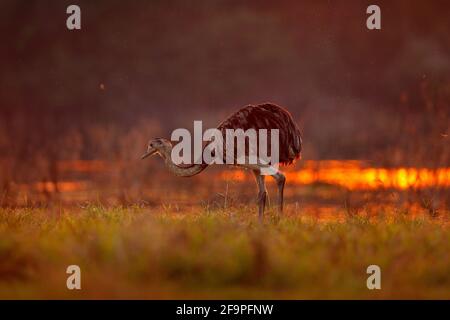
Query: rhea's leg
[[281, 180], [262, 193]]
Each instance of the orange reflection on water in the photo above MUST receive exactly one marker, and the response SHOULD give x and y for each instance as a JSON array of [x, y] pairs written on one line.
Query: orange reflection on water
[[355, 175], [63, 186]]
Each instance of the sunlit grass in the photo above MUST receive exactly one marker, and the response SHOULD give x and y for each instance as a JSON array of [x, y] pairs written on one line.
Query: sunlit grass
[[201, 253]]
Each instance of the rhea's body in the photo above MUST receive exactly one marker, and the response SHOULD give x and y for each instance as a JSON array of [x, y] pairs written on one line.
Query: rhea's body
[[264, 116]]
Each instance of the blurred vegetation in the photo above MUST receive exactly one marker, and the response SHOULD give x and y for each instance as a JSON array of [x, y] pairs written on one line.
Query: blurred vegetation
[[166, 253]]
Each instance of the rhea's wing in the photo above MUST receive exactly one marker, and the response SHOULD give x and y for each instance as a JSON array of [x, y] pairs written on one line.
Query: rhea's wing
[[268, 116]]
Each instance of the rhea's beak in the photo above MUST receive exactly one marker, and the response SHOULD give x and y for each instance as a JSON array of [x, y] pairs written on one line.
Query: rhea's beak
[[149, 152]]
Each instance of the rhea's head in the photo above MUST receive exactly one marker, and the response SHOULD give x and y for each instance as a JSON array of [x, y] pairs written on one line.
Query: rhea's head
[[159, 146]]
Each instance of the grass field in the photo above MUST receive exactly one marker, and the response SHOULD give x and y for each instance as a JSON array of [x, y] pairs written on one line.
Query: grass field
[[166, 252]]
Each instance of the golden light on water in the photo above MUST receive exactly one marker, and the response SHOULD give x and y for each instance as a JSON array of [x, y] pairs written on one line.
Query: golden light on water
[[350, 174], [63, 186], [355, 175]]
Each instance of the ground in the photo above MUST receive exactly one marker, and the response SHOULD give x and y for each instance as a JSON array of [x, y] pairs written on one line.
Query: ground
[[197, 252]]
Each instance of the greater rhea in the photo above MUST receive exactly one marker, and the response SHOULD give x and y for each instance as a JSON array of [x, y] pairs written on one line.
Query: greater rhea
[[263, 116]]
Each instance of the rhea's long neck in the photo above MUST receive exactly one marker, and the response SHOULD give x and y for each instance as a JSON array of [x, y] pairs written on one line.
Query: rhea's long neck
[[182, 171]]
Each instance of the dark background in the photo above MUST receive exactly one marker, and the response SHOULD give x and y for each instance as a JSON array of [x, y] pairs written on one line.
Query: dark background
[[142, 68]]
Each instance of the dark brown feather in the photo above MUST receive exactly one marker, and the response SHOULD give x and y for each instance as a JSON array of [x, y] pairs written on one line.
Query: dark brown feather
[[268, 116]]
